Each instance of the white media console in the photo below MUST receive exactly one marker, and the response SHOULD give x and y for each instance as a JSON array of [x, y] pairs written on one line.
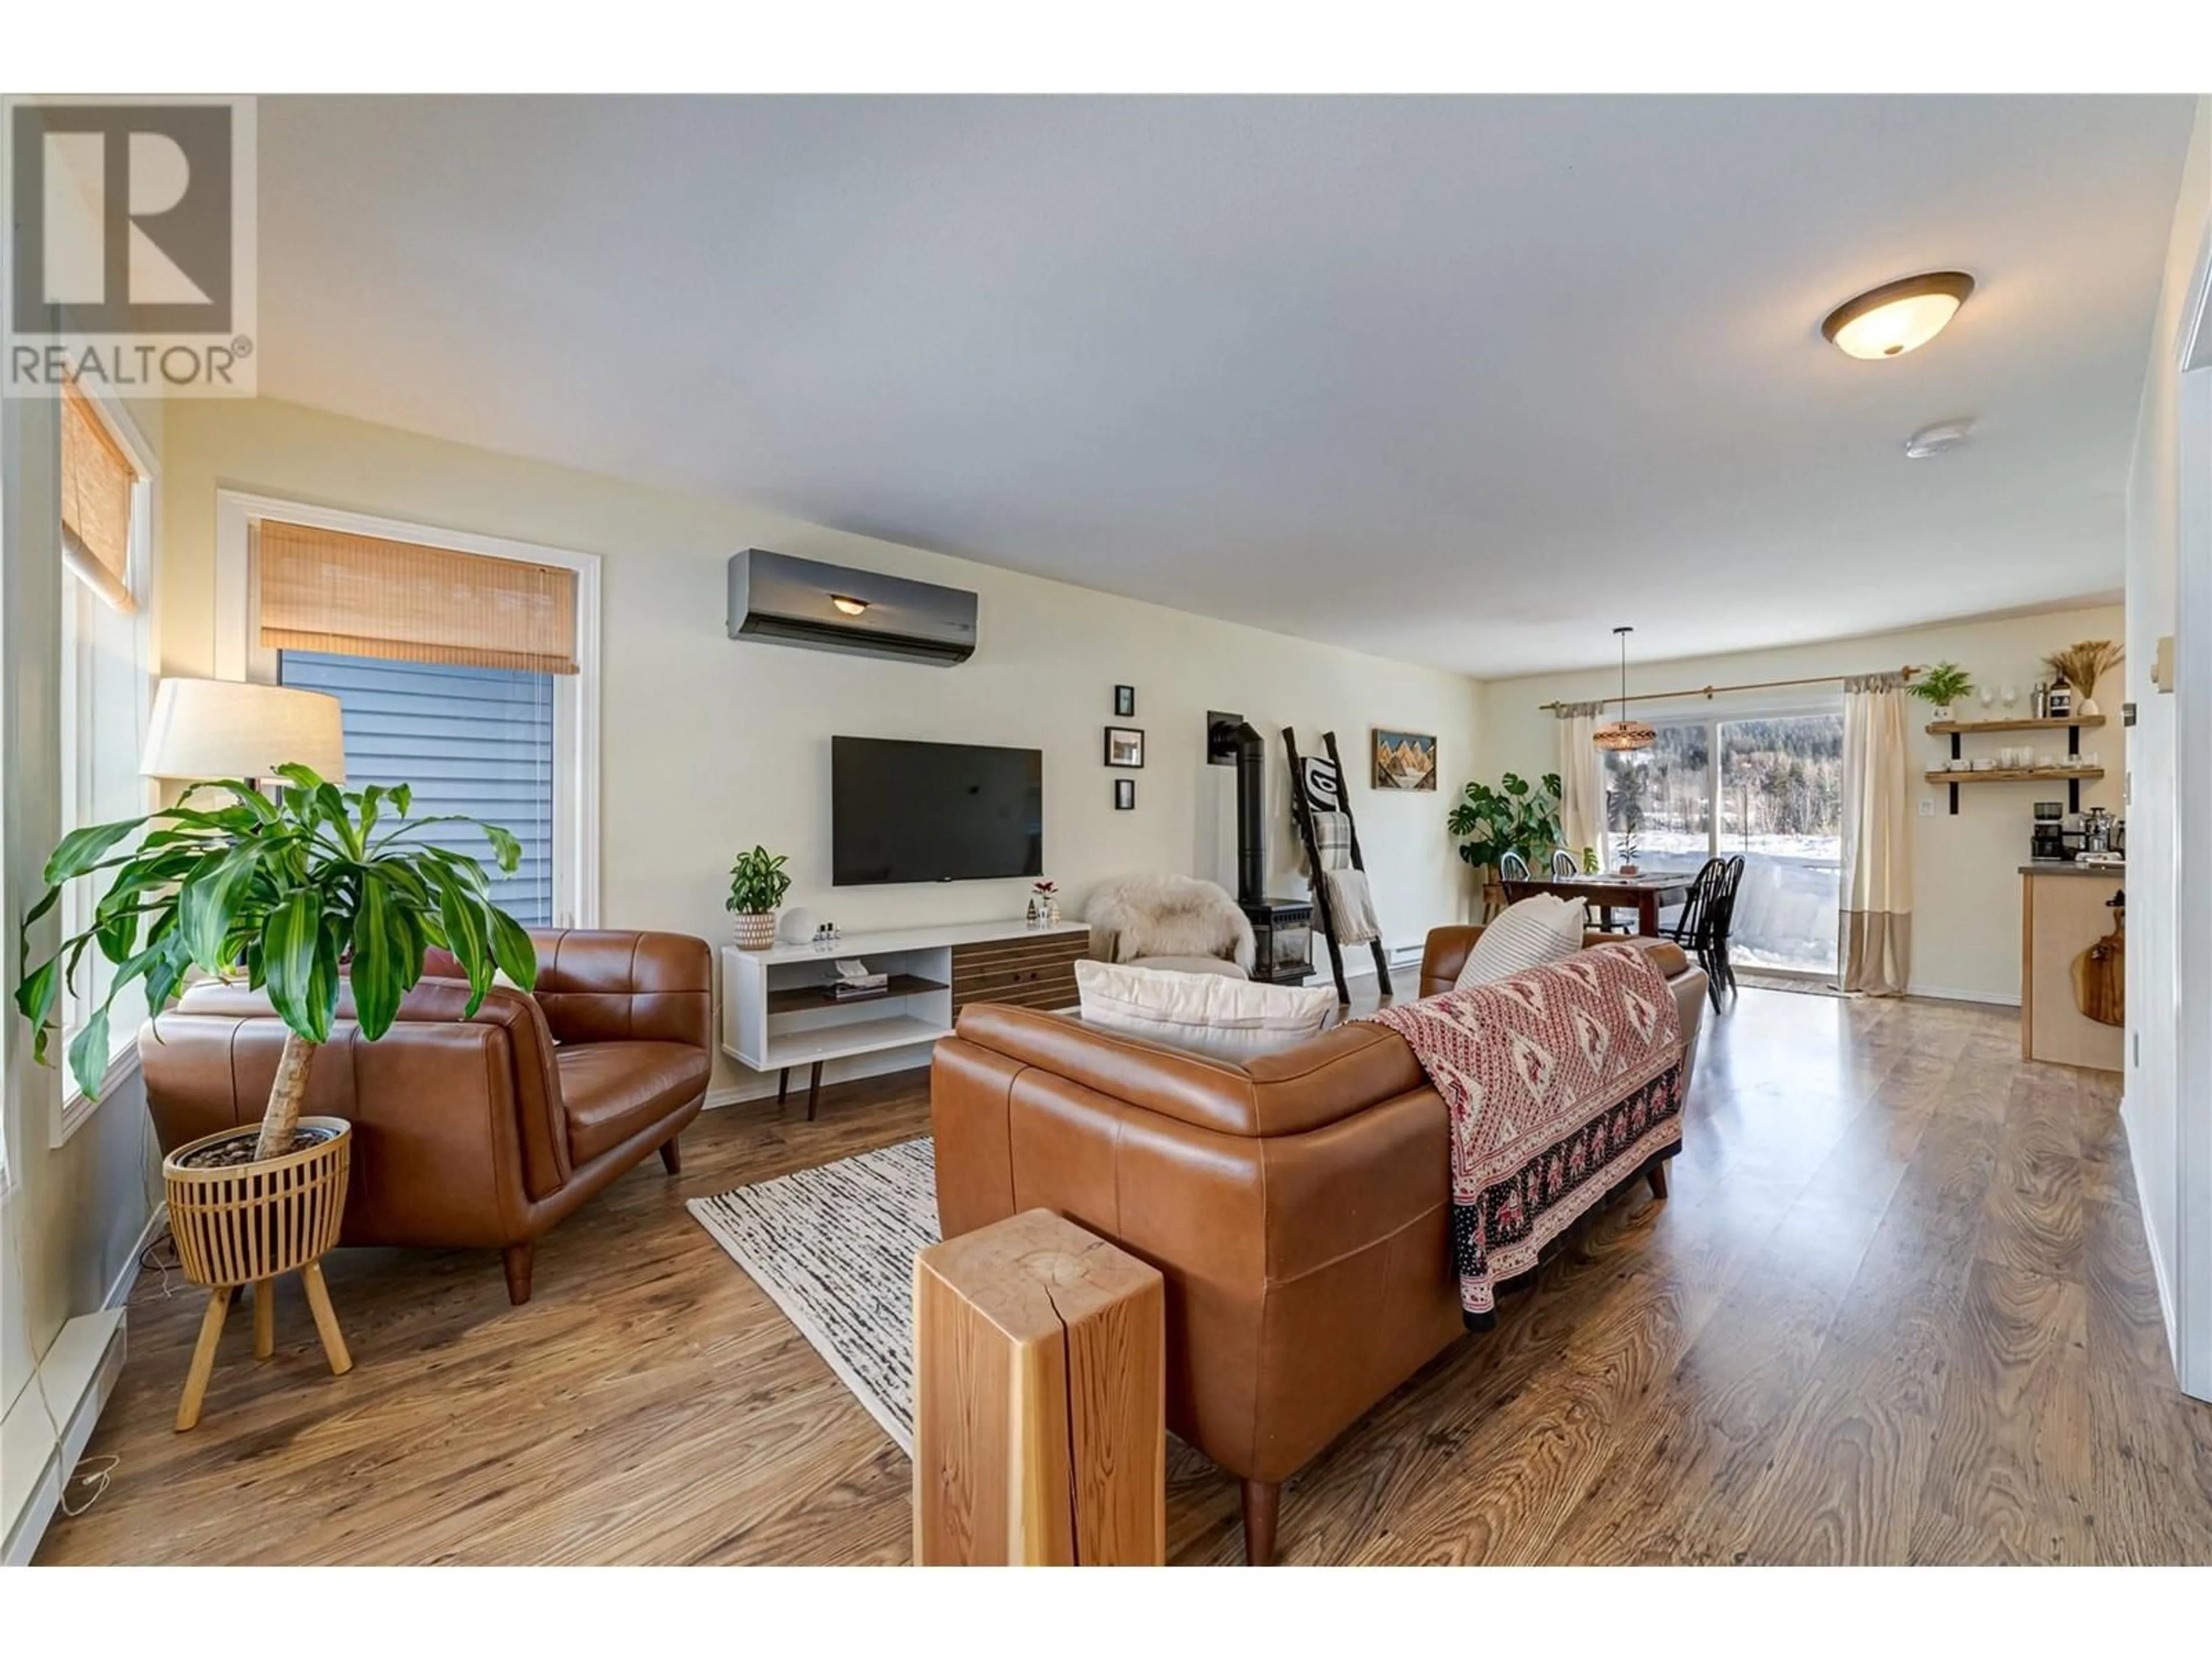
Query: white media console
[[777, 1013]]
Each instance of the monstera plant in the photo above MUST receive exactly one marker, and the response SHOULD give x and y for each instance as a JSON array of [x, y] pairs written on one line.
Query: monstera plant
[[1517, 817], [290, 892]]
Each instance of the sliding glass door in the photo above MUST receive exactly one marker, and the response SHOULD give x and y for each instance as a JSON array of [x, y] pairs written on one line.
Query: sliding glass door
[[1768, 788], [1781, 807]]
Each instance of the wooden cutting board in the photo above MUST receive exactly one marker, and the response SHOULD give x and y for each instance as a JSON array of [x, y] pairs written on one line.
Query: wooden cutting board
[[2101, 976]]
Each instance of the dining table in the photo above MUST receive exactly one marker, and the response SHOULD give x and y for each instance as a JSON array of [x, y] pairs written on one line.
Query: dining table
[[1647, 893]]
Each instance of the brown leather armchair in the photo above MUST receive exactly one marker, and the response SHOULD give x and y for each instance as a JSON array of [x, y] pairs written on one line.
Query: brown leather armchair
[[484, 1131], [1298, 1206]]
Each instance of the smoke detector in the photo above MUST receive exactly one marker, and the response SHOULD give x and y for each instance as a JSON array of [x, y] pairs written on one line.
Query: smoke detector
[[1934, 439]]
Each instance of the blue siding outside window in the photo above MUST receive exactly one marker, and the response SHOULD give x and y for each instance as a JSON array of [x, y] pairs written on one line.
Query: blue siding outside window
[[478, 741]]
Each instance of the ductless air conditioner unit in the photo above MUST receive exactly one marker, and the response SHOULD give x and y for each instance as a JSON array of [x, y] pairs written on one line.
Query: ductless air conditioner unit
[[828, 607]]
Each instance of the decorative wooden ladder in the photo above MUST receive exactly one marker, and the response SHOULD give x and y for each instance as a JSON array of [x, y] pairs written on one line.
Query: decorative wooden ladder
[[1318, 785]]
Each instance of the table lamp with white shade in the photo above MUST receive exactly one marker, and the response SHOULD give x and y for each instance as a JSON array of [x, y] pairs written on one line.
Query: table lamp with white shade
[[214, 729]]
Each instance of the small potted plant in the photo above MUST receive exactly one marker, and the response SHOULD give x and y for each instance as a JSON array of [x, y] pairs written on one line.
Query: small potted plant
[[1044, 903], [1943, 686], [757, 884], [299, 895]]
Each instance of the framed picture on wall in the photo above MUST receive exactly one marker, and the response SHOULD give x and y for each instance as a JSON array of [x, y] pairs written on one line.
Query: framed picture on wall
[[1124, 795], [1125, 702], [1125, 746], [1404, 760]]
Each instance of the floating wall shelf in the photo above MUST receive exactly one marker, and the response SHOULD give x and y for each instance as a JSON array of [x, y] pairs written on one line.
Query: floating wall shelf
[[1967, 728], [2052, 774], [2072, 777]]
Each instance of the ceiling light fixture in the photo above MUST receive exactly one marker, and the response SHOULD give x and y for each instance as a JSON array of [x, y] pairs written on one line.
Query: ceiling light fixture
[[1934, 439], [1892, 319], [1624, 734], [851, 607]]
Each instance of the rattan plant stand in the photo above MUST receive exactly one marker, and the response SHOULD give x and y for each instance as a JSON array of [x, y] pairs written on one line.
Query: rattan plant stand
[[244, 1224]]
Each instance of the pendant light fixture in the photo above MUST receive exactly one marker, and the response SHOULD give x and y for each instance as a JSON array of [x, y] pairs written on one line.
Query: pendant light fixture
[[1624, 734], [1892, 319]]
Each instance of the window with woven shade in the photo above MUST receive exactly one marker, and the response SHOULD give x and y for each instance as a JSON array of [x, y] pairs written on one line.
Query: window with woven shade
[[106, 676], [98, 483], [339, 593], [444, 664]]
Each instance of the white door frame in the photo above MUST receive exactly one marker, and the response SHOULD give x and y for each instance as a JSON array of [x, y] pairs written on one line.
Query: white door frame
[[2192, 744]]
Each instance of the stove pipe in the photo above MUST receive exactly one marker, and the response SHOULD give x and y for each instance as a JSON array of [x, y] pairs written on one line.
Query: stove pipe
[[1251, 814]]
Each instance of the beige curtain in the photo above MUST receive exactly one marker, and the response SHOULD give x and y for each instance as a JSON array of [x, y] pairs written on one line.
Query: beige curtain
[[1582, 778], [323, 590], [1874, 947], [96, 484]]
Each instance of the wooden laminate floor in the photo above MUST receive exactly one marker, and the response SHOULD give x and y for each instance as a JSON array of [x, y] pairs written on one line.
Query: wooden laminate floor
[[1898, 1310]]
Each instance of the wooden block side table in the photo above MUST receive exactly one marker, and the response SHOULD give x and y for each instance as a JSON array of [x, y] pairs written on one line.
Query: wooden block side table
[[1040, 1400]]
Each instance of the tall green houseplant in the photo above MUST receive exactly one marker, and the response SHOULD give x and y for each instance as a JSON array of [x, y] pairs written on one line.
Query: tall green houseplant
[[1517, 817], [294, 893]]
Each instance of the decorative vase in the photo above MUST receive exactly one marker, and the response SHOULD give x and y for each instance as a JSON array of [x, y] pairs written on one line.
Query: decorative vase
[[756, 929], [1943, 713], [2089, 709]]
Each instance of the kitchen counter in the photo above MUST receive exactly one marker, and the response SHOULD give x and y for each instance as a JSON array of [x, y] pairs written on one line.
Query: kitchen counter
[[2071, 974]]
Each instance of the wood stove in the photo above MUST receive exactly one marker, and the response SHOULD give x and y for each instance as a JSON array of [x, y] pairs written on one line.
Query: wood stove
[[1282, 933]]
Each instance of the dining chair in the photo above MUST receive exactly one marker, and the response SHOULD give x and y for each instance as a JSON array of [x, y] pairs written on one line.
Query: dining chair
[[1720, 927], [1683, 928], [1563, 863], [1511, 867], [1693, 929]]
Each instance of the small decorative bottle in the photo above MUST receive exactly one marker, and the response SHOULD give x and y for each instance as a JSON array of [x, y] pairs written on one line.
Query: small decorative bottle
[[2060, 703]]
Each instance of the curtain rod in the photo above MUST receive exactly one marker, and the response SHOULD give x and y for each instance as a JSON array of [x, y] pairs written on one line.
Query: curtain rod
[[1711, 691]]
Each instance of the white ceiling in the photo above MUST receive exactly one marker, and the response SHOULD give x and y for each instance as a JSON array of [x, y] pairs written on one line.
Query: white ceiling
[[1462, 381]]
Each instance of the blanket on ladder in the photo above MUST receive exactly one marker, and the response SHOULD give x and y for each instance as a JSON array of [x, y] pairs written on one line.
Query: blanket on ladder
[[1561, 1083]]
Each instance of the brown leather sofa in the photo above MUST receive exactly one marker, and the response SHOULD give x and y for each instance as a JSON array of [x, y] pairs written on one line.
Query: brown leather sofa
[[1298, 1206], [485, 1131]]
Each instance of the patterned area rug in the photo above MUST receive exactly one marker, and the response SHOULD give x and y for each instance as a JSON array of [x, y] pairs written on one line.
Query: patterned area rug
[[834, 1247]]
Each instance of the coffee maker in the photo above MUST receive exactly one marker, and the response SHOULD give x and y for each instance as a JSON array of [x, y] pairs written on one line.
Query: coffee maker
[[2050, 838]]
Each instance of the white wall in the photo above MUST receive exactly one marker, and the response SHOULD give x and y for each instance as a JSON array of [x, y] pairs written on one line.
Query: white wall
[[1965, 928], [2154, 1095], [710, 744]]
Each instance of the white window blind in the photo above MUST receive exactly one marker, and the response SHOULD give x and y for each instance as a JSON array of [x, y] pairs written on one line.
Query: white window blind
[[478, 741]]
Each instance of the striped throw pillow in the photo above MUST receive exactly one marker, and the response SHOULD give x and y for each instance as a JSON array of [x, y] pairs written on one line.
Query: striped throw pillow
[[1540, 929]]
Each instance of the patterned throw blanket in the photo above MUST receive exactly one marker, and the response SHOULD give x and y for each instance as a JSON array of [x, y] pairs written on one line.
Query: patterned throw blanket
[[1561, 1083]]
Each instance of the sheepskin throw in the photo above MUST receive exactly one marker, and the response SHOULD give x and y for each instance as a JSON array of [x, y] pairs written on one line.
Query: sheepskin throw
[[1170, 917]]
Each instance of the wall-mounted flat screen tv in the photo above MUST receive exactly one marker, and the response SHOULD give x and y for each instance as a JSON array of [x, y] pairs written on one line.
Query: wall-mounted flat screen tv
[[933, 812]]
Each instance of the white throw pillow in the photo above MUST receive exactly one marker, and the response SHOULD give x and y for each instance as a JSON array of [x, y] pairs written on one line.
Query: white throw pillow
[[1540, 929], [1231, 1019]]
